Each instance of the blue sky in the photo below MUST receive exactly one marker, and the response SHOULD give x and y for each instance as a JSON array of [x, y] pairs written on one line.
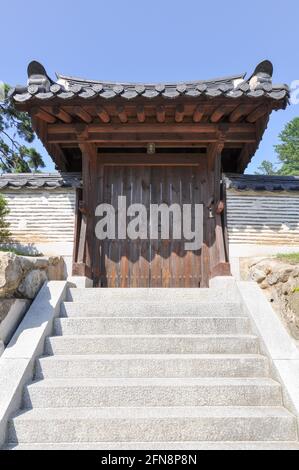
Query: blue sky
[[154, 41]]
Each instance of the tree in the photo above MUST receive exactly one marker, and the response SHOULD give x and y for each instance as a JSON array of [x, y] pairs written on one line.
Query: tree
[[288, 150], [4, 225], [266, 168], [15, 132]]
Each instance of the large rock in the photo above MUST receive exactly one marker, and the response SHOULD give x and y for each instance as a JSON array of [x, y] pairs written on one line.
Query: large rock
[[32, 283], [56, 269], [280, 282], [11, 273], [17, 273]]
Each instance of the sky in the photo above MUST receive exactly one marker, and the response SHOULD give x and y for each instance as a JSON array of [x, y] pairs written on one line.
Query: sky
[[154, 41]]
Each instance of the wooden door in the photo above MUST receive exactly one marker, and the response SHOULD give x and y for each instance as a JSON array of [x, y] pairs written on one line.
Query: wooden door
[[151, 263]]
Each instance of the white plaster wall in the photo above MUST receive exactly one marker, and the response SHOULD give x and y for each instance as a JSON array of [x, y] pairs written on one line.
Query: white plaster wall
[[41, 216], [261, 225], [44, 220], [263, 218]]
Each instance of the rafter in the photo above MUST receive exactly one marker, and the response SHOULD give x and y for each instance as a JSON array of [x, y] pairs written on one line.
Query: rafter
[[198, 113], [103, 114], [179, 113], [84, 115], [140, 113], [239, 112], [257, 113], [61, 114], [218, 113], [43, 115], [160, 114], [122, 114]]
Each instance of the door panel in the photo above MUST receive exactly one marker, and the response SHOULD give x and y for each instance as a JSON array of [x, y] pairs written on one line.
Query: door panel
[[151, 263]]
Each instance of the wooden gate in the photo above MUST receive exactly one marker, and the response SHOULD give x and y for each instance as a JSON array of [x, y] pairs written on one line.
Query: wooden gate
[[151, 263]]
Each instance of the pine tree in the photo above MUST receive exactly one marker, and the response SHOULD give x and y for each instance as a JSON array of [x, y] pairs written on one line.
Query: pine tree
[[15, 132], [266, 168]]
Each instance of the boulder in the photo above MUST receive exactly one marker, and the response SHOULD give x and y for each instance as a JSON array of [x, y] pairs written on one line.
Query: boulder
[[257, 275], [17, 272], [32, 283], [11, 273], [280, 283]]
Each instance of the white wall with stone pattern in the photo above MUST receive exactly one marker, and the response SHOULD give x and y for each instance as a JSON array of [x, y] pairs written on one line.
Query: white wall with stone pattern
[[263, 218], [259, 223], [41, 216]]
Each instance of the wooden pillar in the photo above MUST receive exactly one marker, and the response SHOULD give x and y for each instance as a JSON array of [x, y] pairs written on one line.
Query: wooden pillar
[[214, 253], [85, 262]]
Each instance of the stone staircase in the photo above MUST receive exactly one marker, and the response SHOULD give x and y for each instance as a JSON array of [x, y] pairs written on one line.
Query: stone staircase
[[152, 369]]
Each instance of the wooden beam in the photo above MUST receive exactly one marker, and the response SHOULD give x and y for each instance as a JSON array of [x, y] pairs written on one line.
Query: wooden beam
[[140, 113], [257, 113], [84, 115], [122, 115], [62, 115], [179, 113], [160, 114], [218, 113], [103, 114], [146, 137], [136, 144], [168, 138], [43, 115], [146, 160], [149, 127], [239, 112]]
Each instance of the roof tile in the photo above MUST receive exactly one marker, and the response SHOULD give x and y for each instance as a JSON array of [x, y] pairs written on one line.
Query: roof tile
[[262, 183], [43, 88]]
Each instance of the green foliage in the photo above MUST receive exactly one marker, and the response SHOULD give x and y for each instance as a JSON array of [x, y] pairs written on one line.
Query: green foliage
[[15, 127], [288, 150], [19, 252], [290, 257], [4, 226], [266, 168]]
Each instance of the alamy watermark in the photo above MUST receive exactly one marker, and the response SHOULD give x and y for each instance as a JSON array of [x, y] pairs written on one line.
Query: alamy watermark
[[158, 221], [294, 87]]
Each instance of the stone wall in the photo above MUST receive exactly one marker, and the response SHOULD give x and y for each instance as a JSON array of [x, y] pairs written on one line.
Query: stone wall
[[280, 283], [22, 276]]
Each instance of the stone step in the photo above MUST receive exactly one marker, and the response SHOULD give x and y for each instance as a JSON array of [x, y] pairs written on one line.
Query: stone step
[[152, 365], [152, 344], [152, 392], [151, 326], [202, 445], [151, 294], [152, 308], [153, 424]]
